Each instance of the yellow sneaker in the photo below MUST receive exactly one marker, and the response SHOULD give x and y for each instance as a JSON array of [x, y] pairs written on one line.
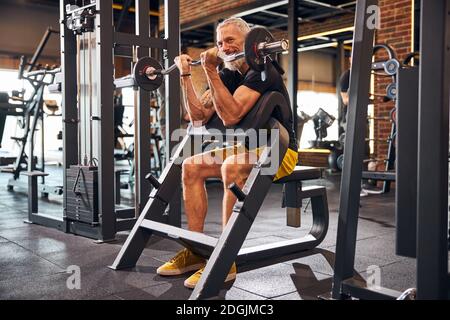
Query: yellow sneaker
[[184, 261], [192, 281]]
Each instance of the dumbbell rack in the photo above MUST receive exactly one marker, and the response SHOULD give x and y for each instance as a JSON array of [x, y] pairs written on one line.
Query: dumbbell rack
[[389, 68], [388, 175]]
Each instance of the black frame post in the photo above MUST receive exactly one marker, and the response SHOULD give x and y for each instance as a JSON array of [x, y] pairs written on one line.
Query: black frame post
[[293, 58], [69, 100], [432, 200], [105, 79], [363, 40], [143, 105], [173, 95]]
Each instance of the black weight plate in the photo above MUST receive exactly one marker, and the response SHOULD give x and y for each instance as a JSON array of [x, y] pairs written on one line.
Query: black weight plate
[[141, 79], [254, 37], [4, 97]]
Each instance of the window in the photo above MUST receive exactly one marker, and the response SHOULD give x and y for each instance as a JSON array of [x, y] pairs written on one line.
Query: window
[[52, 125], [310, 102]]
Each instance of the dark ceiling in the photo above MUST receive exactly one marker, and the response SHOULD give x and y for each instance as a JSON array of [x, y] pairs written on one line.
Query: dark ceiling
[[274, 16], [200, 33]]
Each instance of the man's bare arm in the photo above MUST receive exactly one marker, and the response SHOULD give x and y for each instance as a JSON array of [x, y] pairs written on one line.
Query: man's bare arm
[[231, 108], [200, 109]]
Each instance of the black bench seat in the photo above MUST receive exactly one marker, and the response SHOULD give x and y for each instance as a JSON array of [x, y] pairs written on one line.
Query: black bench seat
[[301, 173]]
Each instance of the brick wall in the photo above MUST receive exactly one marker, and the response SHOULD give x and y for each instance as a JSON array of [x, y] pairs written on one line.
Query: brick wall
[[309, 28], [396, 28], [195, 9]]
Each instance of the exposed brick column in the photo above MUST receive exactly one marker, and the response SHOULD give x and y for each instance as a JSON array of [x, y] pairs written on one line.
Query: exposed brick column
[[396, 30]]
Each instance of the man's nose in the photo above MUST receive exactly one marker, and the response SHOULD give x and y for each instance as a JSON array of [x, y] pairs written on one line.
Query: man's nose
[[226, 49]]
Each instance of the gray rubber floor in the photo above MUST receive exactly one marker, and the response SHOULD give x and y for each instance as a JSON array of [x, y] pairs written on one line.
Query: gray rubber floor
[[34, 260]]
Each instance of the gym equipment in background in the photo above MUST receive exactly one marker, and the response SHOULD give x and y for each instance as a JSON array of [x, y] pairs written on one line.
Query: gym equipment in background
[[422, 166], [30, 114]]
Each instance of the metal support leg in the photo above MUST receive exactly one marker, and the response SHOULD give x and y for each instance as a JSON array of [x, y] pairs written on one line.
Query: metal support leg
[[293, 59], [432, 200], [173, 96], [104, 129], [117, 186], [153, 210], [33, 195], [232, 238], [354, 146], [293, 203], [238, 226]]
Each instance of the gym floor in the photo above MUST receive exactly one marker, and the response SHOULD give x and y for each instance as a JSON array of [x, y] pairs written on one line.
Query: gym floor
[[34, 259]]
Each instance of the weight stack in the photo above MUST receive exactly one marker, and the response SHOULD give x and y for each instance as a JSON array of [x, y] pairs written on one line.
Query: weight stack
[[82, 194]]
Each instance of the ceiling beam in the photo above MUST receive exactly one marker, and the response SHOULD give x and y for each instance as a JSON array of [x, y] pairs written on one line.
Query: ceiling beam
[[326, 33], [326, 5], [348, 4], [274, 13], [280, 23], [236, 12]]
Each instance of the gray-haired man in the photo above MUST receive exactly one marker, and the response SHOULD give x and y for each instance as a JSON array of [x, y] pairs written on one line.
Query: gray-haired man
[[232, 93]]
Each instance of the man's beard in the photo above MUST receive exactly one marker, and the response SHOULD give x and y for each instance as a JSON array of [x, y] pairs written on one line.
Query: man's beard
[[234, 65]]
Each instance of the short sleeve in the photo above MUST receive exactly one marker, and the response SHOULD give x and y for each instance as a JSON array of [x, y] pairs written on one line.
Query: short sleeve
[[229, 80], [253, 80]]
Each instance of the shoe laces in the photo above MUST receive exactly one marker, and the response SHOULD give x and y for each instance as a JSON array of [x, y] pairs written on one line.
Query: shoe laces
[[200, 271], [181, 256]]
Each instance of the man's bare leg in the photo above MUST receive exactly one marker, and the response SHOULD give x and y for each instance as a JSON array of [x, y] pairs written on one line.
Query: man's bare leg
[[196, 170], [235, 169]]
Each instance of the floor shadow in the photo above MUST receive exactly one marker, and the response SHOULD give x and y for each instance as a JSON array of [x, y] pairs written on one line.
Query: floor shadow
[[308, 285]]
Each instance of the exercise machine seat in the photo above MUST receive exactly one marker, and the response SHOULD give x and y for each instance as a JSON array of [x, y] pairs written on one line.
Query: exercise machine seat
[[301, 173]]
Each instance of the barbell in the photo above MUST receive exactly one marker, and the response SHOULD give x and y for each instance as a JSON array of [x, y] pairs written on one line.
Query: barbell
[[259, 49]]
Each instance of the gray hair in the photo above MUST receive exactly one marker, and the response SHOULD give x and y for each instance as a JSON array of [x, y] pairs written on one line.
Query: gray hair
[[238, 22]]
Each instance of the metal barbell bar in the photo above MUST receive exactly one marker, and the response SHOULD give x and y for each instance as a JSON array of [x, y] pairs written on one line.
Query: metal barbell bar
[[259, 48], [262, 49]]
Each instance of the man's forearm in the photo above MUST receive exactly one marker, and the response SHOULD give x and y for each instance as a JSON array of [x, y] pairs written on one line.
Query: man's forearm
[[226, 106], [194, 106]]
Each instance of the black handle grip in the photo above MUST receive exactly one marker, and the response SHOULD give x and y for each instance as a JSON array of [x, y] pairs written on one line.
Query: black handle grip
[[153, 181], [240, 195]]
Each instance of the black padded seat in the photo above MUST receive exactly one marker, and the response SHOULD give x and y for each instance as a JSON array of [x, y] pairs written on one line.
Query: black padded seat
[[302, 173]]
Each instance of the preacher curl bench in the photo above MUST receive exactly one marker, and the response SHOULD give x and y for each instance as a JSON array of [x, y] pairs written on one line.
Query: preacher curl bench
[[222, 252]]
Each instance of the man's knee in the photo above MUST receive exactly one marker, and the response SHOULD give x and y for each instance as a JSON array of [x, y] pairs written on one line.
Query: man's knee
[[232, 173], [190, 170]]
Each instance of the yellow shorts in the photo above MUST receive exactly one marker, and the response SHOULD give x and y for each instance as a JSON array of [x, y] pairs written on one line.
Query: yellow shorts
[[287, 166]]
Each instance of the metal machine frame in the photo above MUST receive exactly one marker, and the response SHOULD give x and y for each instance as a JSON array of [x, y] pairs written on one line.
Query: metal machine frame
[[32, 112], [223, 251], [97, 130], [432, 162]]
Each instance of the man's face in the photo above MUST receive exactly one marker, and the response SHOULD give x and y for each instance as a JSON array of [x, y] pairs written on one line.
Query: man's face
[[230, 40]]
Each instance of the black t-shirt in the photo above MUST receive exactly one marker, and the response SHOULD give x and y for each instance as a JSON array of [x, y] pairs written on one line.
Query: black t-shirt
[[344, 84], [252, 79], [344, 81]]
